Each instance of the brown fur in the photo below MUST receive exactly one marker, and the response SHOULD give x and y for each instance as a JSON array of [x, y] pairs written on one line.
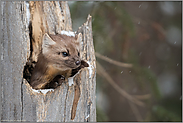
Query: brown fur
[[52, 67]]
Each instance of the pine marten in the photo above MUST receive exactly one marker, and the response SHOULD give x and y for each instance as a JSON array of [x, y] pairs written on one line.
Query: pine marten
[[58, 60]]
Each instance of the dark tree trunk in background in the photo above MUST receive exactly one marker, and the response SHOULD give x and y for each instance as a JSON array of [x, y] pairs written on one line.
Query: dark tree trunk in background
[[19, 102]]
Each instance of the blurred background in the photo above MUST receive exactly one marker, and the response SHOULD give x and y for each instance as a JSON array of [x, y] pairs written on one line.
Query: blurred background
[[147, 36]]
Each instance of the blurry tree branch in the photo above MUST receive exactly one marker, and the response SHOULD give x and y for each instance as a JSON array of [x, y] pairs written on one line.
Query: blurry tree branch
[[135, 111], [113, 61], [101, 71], [143, 97], [131, 99]]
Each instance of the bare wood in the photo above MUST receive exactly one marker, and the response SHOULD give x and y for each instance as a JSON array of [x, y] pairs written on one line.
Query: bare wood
[[14, 53], [19, 101]]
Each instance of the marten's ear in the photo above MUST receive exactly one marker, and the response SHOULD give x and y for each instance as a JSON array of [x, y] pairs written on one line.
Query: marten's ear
[[47, 42], [79, 37]]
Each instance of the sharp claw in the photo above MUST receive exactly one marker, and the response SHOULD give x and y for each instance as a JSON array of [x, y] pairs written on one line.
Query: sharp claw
[[62, 78]]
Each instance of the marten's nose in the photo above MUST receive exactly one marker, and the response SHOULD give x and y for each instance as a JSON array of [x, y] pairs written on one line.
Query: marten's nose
[[78, 62]]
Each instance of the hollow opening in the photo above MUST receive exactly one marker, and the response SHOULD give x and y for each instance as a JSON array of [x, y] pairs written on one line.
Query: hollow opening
[[30, 66], [56, 82], [53, 84]]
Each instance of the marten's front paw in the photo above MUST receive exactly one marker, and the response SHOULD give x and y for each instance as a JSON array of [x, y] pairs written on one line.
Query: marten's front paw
[[60, 80], [57, 81]]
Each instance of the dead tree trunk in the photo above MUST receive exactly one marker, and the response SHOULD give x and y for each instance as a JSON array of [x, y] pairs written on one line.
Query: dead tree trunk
[[23, 24]]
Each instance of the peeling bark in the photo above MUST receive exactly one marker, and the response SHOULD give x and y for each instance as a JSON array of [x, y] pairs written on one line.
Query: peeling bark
[[19, 101]]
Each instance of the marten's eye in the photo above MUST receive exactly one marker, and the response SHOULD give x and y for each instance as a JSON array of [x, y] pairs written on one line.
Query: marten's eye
[[78, 54], [64, 54]]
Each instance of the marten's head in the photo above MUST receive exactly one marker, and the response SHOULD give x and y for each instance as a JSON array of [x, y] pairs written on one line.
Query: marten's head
[[62, 51]]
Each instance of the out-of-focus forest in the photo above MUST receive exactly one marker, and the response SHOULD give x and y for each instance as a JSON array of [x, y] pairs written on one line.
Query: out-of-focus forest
[[139, 62]]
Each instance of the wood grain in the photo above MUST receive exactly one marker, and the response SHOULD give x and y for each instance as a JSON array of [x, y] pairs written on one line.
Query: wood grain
[[19, 101]]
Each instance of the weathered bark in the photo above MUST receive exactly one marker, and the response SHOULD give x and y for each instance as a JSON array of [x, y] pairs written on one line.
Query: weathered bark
[[19, 101]]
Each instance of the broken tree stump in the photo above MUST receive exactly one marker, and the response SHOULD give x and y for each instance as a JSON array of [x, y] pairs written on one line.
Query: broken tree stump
[[23, 24]]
